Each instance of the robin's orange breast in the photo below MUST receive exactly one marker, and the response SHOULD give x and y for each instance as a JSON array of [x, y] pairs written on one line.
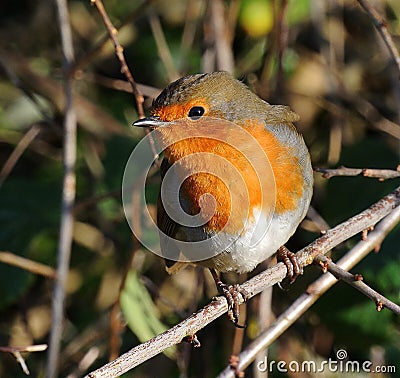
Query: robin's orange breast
[[279, 187]]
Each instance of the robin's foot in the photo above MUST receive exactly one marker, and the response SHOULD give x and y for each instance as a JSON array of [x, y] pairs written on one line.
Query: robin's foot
[[193, 340], [234, 296], [294, 269], [234, 364]]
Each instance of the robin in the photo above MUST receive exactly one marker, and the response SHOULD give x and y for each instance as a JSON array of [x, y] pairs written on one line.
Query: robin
[[236, 178]]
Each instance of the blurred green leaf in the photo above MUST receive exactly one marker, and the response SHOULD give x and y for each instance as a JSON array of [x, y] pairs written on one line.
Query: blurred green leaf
[[298, 11], [140, 311]]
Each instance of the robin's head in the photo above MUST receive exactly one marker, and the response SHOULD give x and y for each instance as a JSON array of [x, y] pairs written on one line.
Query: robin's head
[[215, 94]]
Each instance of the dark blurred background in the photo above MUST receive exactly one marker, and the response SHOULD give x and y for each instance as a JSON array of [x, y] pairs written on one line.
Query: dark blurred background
[[323, 58]]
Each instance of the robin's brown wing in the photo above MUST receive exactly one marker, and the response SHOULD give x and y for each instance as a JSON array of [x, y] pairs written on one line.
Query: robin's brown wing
[[168, 228]]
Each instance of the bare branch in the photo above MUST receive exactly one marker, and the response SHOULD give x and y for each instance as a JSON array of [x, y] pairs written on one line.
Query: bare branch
[[16, 352], [28, 348], [20, 148], [381, 25], [119, 51], [13, 77], [255, 285], [91, 117], [27, 264], [222, 39], [22, 362], [381, 174], [162, 47], [119, 85], [313, 293], [68, 195], [356, 281], [88, 56]]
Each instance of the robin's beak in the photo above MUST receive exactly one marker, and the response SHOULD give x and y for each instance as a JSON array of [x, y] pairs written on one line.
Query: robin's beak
[[152, 122]]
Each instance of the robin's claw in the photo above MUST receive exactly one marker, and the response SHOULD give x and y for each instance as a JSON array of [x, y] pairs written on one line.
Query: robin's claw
[[234, 295], [294, 269]]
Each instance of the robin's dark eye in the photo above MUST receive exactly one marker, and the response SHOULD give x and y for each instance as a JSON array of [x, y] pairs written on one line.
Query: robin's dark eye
[[196, 112]]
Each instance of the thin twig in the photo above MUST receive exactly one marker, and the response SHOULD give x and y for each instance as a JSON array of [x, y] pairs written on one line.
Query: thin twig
[[381, 25], [362, 109], [372, 115], [265, 318], [68, 195], [91, 117], [27, 264], [192, 18], [8, 69], [28, 348], [119, 85], [16, 352], [88, 56], [281, 36], [119, 51], [381, 174], [313, 293], [92, 201], [223, 48], [19, 149], [333, 56], [319, 224], [232, 19], [22, 362], [162, 46], [255, 285], [357, 282]]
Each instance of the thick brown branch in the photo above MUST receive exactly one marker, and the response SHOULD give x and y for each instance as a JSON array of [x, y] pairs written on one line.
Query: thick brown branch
[[253, 286]]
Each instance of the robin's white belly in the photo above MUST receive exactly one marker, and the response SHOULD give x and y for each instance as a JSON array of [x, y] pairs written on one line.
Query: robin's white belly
[[260, 239]]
